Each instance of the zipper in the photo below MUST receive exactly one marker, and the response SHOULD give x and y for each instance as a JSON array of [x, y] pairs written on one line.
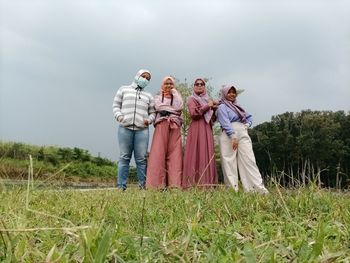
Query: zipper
[[133, 121]]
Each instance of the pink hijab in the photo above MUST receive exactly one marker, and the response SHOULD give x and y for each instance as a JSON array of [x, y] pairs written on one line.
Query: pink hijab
[[232, 105], [203, 100]]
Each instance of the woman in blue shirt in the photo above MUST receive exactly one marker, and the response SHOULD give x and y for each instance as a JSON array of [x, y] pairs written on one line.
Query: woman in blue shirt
[[236, 147]]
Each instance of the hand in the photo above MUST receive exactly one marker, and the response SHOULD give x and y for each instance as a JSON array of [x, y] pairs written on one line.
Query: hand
[[234, 143], [146, 122], [120, 118], [210, 103]]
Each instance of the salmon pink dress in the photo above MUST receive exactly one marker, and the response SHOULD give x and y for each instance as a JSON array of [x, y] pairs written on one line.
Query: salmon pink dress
[[164, 168]]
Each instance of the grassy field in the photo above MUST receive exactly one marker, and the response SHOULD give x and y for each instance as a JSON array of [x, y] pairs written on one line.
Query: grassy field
[[53, 225]]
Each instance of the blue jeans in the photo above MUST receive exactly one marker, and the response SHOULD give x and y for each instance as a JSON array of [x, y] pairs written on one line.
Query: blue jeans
[[132, 141]]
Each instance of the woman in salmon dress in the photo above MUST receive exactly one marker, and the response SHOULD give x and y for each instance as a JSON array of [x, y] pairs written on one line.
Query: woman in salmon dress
[[164, 168], [199, 157]]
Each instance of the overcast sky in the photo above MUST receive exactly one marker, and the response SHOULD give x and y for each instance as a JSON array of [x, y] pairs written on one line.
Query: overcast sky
[[61, 62]]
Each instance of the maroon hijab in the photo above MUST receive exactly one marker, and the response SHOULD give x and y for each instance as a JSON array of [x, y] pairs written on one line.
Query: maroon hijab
[[203, 100]]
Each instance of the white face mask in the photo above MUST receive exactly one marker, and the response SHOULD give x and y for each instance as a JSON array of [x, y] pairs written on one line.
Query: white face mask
[[142, 82]]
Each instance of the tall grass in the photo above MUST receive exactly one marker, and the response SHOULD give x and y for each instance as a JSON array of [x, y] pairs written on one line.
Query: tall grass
[[218, 225]]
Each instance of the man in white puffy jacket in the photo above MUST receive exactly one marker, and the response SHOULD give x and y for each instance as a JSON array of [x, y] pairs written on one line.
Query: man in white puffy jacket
[[134, 109]]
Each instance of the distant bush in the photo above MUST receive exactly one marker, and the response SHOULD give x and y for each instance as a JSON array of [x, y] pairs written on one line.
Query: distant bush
[[49, 159], [51, 154]]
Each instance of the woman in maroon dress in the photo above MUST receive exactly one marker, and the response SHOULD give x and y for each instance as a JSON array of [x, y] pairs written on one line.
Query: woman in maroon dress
[[199, 158]]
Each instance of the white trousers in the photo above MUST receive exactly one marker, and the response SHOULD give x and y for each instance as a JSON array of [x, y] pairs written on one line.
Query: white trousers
[[242, 158]]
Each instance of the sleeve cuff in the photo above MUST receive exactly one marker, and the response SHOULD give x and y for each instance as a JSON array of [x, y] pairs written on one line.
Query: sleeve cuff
[[206, 107]]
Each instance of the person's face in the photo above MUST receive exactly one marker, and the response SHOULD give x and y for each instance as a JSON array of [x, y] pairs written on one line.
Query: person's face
[[168, 85], [199, 87], [231, 95], [146, 75]]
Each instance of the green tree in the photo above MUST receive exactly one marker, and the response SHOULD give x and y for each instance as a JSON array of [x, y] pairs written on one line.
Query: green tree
[[41, 154], [65, 154], [302, 147], [81, 155]]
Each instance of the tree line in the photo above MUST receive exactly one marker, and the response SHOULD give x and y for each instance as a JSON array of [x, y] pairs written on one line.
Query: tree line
[[307, 146]]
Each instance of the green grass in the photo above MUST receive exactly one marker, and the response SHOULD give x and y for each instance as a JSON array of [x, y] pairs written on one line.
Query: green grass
[[303, 225]]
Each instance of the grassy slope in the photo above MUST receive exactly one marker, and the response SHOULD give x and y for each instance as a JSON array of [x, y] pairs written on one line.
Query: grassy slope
[[65, 173], [195, 226], [58, 164]]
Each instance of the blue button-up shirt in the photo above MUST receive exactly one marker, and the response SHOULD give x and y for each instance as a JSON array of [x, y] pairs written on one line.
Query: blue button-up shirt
[[226, 116]]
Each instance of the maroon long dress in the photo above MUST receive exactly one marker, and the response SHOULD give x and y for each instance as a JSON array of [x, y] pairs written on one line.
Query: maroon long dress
[[199, 158]]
